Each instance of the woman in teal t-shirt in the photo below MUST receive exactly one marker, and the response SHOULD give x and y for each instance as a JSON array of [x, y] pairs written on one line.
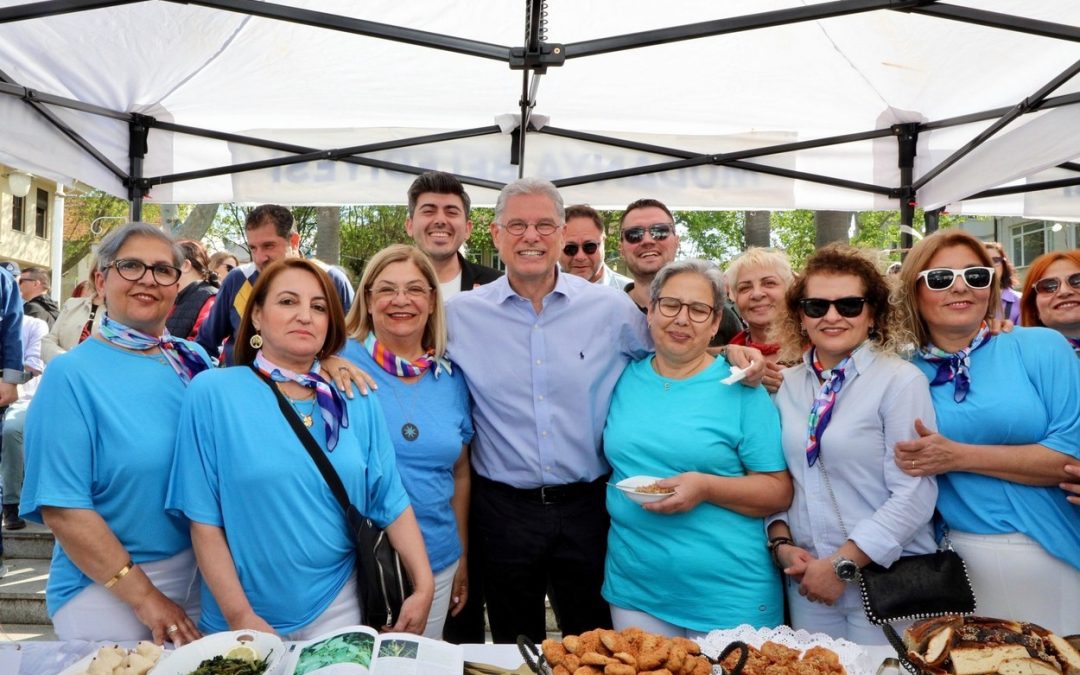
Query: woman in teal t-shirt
[[697, 560]]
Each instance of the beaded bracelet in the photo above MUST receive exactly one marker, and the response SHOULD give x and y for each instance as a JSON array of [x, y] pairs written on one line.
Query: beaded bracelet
[[120, 575], [774, 547]]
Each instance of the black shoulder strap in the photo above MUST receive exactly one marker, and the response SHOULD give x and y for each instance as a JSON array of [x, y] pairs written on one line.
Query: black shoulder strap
[[313, 449]]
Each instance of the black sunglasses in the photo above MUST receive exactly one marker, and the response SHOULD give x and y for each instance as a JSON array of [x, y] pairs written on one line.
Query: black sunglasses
[[849, 308], [589, 247], [1052, 284], [942, 278], [635, 235]]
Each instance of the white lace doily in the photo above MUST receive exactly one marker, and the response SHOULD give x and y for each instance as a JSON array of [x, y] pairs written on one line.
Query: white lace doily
[[852, 656]]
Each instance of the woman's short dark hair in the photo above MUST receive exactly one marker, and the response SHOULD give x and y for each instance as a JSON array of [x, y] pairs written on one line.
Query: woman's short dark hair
[[244, 353], [838, 260]]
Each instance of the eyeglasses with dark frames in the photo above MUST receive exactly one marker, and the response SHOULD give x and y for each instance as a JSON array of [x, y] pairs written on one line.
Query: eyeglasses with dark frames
[[1053, 284], [589, 247], [517, 228], [849, 308], [699, 312], [942, 278], [659, 232], [134, 270]]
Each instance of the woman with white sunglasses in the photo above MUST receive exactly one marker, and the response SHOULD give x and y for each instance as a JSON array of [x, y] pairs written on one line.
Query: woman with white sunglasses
[[1008, 423]]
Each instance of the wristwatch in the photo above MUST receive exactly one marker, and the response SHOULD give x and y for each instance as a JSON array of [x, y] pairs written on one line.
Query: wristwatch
[[846, 569]]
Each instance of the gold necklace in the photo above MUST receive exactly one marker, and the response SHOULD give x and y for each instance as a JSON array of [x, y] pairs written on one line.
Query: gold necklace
[[307, 418]]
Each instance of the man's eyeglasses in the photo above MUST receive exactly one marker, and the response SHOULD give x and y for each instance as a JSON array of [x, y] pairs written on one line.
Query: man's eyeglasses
[[942, 278], [849, 308], [133, 270], [699, 312], [635, 235], [589, 247], [518, 227], [1052, 284], [412, 291]]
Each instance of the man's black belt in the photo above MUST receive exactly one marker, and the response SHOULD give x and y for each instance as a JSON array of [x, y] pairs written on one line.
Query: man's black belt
[[546, 494]]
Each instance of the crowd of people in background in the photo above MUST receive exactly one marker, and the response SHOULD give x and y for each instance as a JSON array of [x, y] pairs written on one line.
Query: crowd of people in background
[[482, 417]]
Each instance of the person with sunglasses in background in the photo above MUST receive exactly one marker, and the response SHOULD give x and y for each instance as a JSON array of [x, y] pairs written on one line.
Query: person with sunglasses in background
[[1005, 278], [583, 248], [1051, 298], [648, 240], [1051, 295], [1008, 422], [843, 407]]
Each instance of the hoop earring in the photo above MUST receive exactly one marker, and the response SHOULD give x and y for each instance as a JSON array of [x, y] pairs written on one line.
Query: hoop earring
[[256, 341]]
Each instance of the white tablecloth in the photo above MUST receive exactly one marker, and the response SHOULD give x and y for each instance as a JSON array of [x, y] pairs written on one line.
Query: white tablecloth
[[49, 658]]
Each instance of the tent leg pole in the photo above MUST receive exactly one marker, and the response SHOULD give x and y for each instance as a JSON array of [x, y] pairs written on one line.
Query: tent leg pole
[[138, 131], [907, 137]]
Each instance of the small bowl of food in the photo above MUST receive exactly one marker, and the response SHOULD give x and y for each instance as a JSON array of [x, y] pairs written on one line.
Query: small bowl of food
[[644, 489]]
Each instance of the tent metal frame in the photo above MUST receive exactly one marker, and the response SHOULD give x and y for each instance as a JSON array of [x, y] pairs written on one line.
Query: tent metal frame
[[533, 58]]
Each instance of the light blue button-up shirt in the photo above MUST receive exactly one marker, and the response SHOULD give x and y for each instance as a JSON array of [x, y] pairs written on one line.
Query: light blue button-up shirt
[[886, 512], [541, 383]]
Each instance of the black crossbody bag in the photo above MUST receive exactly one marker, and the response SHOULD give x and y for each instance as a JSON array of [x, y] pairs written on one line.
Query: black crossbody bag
[[381, 582]]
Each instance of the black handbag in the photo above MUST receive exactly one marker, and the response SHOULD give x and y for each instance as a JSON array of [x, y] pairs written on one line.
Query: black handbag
[[381, 582], [913, 587], [917, 587]]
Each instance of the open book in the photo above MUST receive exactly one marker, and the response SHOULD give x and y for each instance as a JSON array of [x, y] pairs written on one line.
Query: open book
[[356, 650]]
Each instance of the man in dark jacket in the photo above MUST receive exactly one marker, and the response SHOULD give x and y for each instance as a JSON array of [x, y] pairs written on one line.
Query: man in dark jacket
[[34, 288], [439, 224]]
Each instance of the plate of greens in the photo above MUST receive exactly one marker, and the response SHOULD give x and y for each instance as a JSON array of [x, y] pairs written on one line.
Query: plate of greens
[[239, 652]]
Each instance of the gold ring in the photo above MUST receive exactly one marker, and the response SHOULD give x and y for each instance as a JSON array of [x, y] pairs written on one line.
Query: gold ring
[[172, 629]]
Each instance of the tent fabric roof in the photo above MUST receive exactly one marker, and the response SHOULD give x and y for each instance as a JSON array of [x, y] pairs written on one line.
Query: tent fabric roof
[[310, 87]]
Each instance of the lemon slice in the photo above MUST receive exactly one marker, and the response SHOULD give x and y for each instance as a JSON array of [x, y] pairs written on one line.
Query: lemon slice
[[243, 653]]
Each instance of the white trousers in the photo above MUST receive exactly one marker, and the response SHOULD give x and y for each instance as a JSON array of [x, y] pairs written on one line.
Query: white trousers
[[343, 611], [95, 614], [846, 618], [1015, 578], [622, 618], [440, 605]]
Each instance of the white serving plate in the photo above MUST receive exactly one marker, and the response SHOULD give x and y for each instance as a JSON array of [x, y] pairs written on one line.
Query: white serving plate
[[82, 664], [627, 486], [187, 658], [853, 657]]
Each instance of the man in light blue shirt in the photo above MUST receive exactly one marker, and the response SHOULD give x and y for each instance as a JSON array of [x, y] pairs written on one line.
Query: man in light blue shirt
[[541, 351]]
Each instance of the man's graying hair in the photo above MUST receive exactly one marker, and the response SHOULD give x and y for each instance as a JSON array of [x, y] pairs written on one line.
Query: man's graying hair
[[530, 186]]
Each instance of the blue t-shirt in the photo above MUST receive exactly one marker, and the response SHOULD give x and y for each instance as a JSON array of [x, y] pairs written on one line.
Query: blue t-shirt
[[100, 435], [440, 410], [665, 565], [240, 466], [1025, 388]]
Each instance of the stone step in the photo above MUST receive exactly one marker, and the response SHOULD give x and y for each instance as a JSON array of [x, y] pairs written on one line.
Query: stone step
[[33, 541], [16, 632], [22, 592]]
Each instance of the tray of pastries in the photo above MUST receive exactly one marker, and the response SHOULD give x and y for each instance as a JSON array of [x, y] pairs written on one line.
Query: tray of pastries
[[957, 645]]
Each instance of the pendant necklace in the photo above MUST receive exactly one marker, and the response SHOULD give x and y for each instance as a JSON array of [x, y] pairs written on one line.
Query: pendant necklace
[[308, 417], [409, 431]]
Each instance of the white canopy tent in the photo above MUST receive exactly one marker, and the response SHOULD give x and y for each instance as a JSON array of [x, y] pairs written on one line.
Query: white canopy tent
[[741, 104]]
